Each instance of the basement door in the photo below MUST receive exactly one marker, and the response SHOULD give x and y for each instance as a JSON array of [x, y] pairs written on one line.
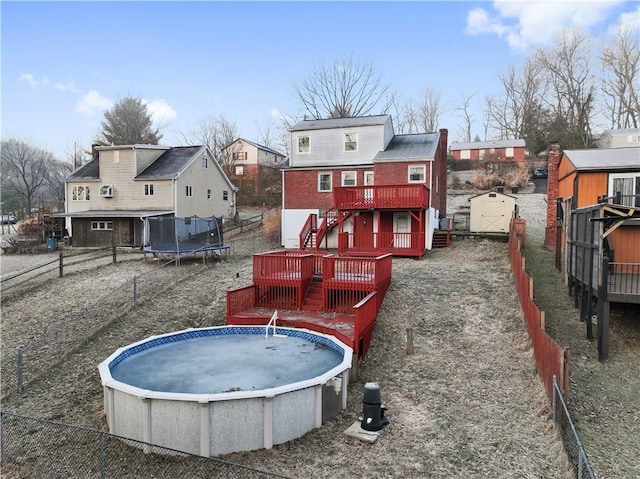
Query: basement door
[[363, 230], [401, 230]]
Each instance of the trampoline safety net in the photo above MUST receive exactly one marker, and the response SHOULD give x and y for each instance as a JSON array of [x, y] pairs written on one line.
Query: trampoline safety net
[[182, 235]]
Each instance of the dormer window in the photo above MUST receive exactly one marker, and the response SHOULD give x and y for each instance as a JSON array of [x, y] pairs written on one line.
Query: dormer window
[[205, 162], [350, 142], [303, 144]]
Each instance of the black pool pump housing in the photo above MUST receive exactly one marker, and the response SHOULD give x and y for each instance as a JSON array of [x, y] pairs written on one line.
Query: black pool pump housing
[[373, 408]]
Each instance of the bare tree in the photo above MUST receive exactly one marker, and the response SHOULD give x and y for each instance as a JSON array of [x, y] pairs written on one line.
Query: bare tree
[[343, 89], [462, 112], [25, 169], [429, 110], [128, 123], [620, 64], [572, 86], [217, 134]]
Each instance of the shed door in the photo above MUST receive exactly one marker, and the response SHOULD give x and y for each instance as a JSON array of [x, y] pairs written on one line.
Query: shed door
[[493, 217]]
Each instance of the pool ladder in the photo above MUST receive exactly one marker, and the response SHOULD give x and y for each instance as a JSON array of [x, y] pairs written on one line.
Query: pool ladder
[[273, 319]]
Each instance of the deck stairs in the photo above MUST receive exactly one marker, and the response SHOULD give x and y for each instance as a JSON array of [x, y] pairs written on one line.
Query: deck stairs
[[313, 238], [313, 299], [441, 239]]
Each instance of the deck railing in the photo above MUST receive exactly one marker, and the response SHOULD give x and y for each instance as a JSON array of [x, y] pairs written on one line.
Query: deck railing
[[282, 279], [398, 244], [623, 278], [240, 299], [366, 312], [347, 280], [381, 197]]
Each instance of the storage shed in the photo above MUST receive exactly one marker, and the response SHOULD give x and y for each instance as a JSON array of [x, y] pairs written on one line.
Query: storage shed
[[491, 212]]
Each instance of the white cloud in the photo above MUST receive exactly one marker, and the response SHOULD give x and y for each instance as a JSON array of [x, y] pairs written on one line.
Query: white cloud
[[31, 80], [627, 22], [70, 87], [160, 110], [524, 24], [92, 103]]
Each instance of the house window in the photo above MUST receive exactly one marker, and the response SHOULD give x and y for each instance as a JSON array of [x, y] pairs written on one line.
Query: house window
[[225, 196], [102, 225], [465, 154], [324, 181], [116, 157], [349, 178], [80, 193], [417, 174], [239, 155], [209, 194], [205, 162], [148, 189], [627, 184], [508, 152], [368, 178], [303, 144], [240, 170], [350, 142], [188, 191]]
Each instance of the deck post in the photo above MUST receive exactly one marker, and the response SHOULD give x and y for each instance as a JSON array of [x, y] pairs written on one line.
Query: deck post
[[603, 313]]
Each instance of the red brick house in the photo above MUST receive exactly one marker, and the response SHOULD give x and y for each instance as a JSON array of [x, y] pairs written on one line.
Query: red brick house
[[502, 150], [353, 185]]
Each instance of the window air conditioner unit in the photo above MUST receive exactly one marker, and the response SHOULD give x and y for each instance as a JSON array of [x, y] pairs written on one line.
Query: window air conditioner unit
[[106, 191]]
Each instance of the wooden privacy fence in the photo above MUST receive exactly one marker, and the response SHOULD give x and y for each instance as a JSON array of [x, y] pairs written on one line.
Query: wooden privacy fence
[[551, 358]]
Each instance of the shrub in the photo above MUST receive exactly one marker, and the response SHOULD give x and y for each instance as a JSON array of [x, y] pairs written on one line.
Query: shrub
[[272, 221]]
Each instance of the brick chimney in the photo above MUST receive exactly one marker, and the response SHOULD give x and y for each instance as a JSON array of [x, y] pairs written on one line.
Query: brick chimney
[[553, 161]]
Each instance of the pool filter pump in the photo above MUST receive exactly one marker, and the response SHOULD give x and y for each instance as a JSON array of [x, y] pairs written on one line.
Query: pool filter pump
[[373, 409]]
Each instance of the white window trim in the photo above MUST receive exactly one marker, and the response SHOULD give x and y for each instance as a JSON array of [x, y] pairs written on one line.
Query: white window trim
[[86, 193], [465, 154], [320, 175], [148, 189], [101, 225], [355, 177], [308, 146], [368, 174], [355, 136], [509, 152], [424, 174], [612, 176]]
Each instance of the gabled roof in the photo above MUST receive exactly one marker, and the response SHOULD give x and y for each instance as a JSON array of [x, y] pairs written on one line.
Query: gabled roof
[[259, 147], [421, 146], [479, 145], [339, 123], [171, 163], [603, 159]]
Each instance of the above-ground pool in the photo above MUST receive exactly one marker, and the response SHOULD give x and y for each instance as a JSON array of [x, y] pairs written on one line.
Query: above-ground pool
[[213, 391]]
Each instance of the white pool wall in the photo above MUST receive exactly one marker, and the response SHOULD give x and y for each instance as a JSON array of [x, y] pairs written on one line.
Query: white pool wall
[[221, 423]]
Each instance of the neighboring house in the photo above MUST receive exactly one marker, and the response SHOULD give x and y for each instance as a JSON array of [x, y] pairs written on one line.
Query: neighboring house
[[108, 199], [355, 186], [502, 150], [249, 161], [593, 221], [621, 138]]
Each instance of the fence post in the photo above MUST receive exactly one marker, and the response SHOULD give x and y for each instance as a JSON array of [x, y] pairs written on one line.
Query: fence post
[[114, 254], [60, 267], [19, 371], [410, 349], [135, 290], [554, 401], [102, 457]]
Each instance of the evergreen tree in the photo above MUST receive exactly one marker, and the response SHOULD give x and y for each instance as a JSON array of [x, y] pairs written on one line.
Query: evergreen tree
[[128, 123]]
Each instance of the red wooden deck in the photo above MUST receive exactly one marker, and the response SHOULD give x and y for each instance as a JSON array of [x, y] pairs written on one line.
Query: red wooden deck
[[381, 197], [330, 294]]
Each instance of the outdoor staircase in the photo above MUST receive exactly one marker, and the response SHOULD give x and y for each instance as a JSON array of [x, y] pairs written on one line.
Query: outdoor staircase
[[441, 239], [313, 299], [313, 234]]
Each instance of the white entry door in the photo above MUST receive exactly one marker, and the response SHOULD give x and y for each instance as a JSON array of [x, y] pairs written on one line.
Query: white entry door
[[401, 230]]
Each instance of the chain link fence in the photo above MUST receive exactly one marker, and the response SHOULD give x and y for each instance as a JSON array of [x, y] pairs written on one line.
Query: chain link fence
[[575, 452], [36, 448]]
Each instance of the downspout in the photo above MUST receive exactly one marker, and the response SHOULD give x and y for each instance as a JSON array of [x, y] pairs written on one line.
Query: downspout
[[282, 228]]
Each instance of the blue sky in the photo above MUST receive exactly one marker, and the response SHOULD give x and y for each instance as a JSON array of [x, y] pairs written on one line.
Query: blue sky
[[64, 63]]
